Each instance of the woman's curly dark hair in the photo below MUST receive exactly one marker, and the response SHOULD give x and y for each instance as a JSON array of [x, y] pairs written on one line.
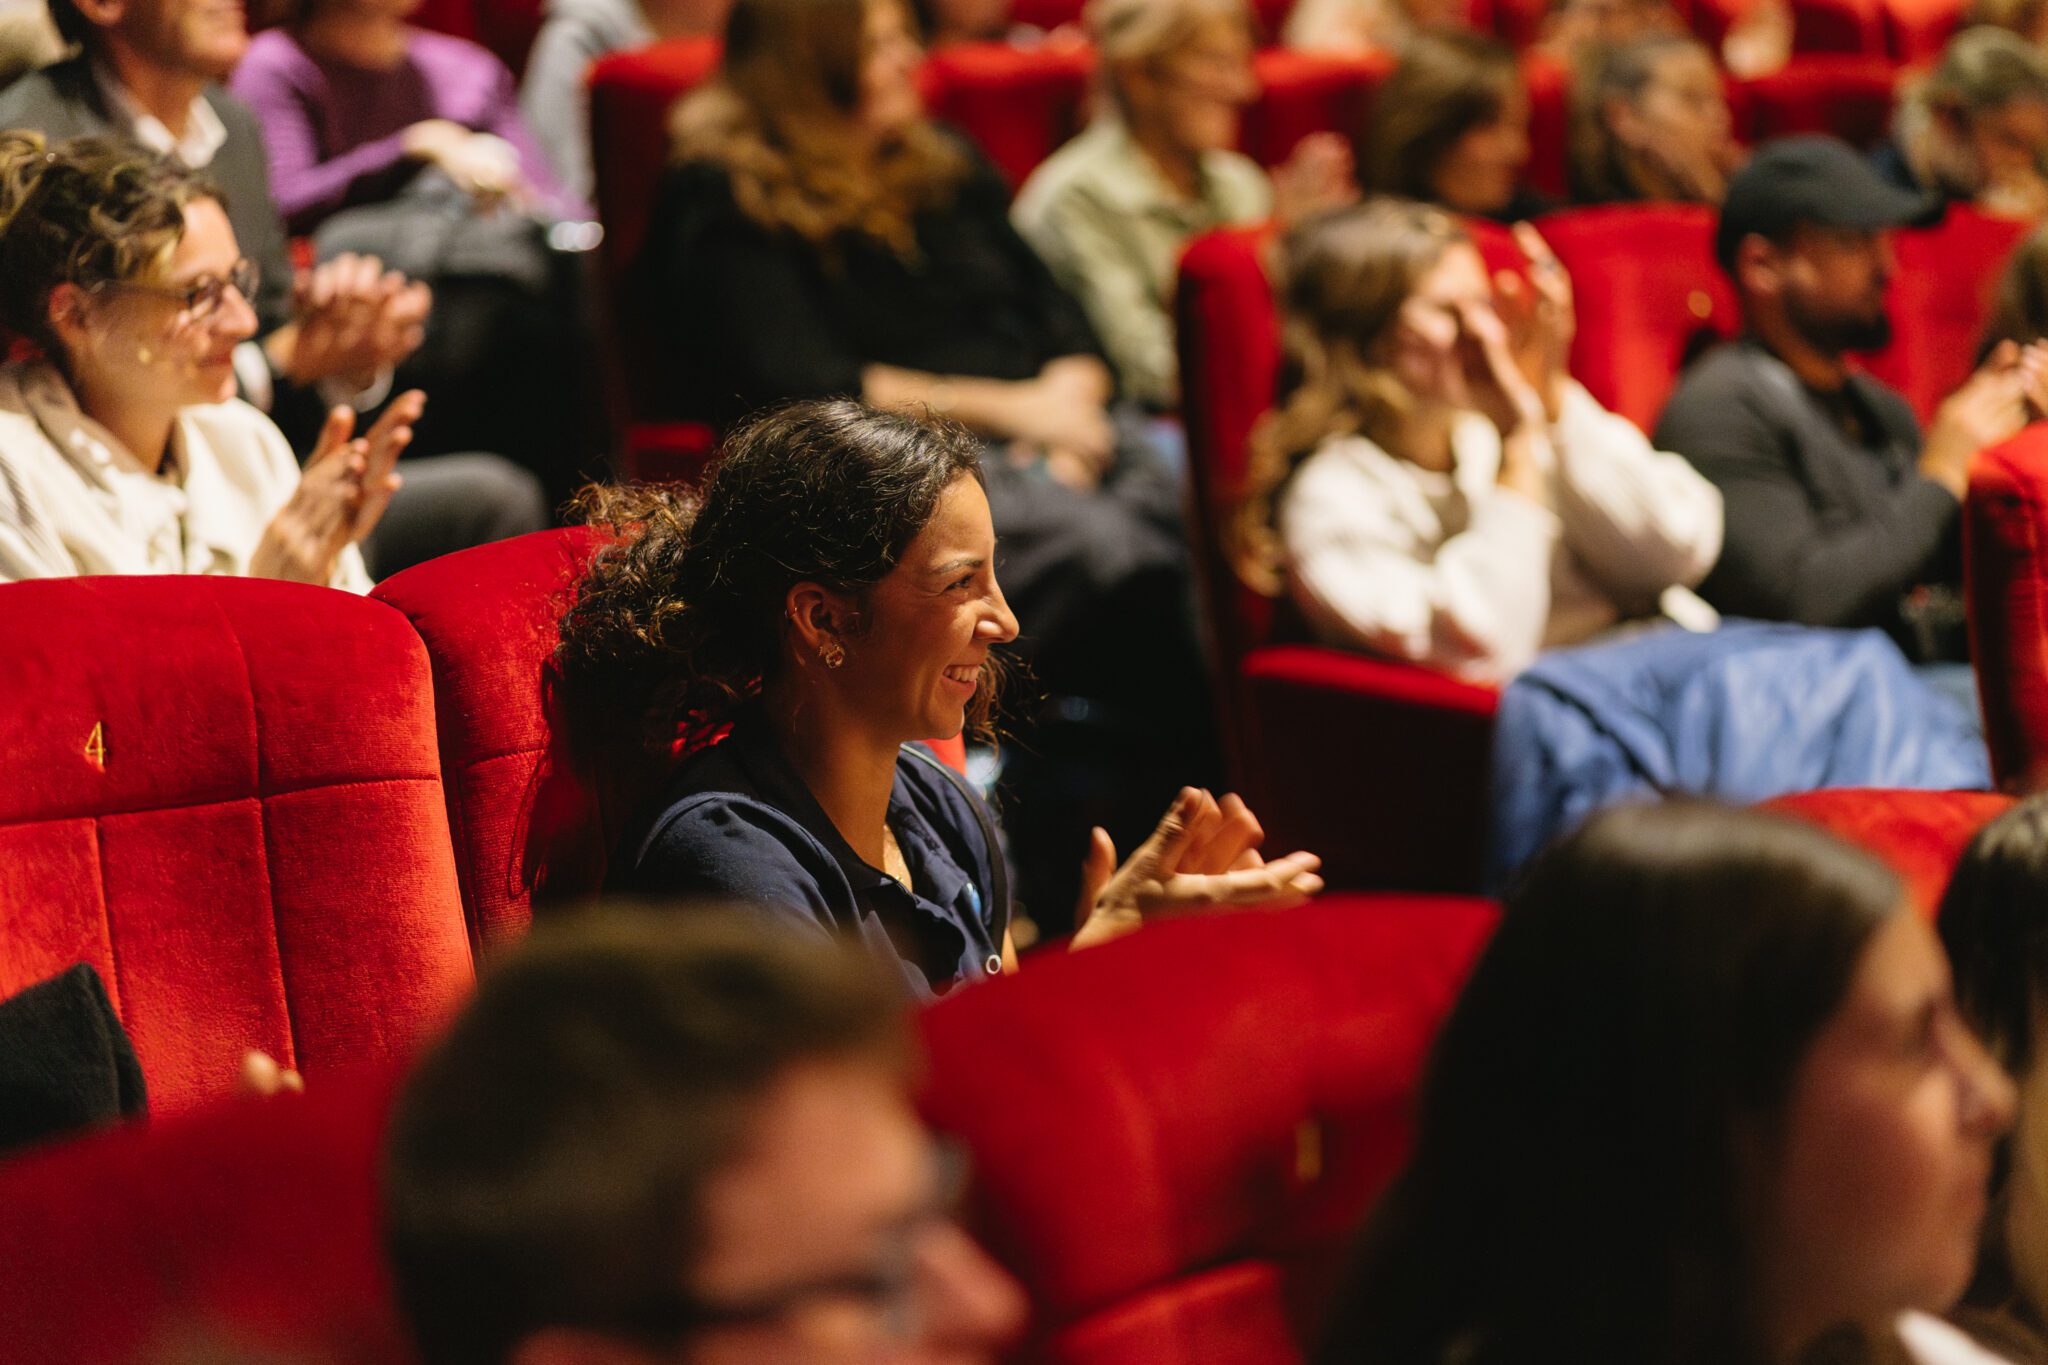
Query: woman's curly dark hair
[[680, 619]]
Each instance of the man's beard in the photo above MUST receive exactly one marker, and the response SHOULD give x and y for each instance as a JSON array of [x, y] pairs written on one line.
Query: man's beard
[[1832, 335]]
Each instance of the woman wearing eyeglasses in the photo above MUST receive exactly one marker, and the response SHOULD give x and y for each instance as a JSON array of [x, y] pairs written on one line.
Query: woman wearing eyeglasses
[[122, 446]]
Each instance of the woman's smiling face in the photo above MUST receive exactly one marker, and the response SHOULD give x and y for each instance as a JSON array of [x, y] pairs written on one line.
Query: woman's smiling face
[[925, 630]]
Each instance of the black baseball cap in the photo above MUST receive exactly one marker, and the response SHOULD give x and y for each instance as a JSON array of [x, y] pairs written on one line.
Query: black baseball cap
[[1818, 180]]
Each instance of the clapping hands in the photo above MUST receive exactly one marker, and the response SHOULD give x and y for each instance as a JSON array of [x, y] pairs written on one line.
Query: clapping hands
[[1204, 854]]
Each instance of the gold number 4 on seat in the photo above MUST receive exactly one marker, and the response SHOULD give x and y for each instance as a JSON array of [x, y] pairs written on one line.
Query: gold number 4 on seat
[[96, 746]]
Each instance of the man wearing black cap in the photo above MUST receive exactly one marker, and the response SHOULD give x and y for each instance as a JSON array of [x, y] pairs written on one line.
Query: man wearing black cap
[[1838, 512]]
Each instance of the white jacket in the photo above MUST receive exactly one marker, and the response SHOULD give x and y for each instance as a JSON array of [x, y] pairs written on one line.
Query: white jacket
[[74, 500], [1451, 570]]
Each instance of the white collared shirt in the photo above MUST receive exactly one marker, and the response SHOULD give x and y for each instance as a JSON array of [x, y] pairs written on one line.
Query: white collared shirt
[[196, 147], [75, 500]]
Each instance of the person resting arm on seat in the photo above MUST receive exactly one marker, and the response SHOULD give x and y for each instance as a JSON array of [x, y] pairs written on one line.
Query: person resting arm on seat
[[123, 448], [833, 598]]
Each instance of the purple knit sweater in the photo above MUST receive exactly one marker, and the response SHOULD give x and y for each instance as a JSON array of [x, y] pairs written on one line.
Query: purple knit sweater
[[335, 132]]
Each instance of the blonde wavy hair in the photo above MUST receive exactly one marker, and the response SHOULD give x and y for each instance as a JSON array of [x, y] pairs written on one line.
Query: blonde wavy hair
[[1344, 277], [781, 120]]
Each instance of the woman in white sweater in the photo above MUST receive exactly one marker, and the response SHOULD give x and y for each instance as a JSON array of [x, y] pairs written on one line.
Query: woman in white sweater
[[123, 448], [1434, 491]]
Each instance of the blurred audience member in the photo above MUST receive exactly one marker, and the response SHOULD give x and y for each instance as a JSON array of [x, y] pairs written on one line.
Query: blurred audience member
[[355, 103], [1749, 1123], [28, 40], [834, 598], [554, 98], [1650, 122], [1111, 211], [149, 74], [1839, 513], [2027, 18], [124, 449], [396, 141], [1418, 496], [1573, 27], [2019, 314], [847, 245], [1451, 127], [948, 23], [670, 1138], [1994, 923], [1362, 27], [1975, 129]]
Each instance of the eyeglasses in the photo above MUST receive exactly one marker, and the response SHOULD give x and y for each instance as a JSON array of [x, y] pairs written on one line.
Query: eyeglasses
[[892, 1288], [200, 298]]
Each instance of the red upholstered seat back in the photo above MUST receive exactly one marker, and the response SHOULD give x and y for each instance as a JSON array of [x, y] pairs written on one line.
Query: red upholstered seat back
[[1018, 103], [1307, 92], [630, 97], [1646, 285], [531, 818], [2005, 569], [224, 795], [1920, 833], [1844, 94], [247, 1224], [1940, 299], [1230, 362], [1185, 1127]]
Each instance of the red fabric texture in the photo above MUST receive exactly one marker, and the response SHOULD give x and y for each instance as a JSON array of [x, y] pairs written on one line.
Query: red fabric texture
[[530, 820], [1941, 297], [1917, 30], [1175, 1161], [1646, 287], [1018, 104], [1839, 26], [1848, 95], [244, 1225], [1307, 92], [1312, 731], [224, 795], [1921, 834], [2005, 572]]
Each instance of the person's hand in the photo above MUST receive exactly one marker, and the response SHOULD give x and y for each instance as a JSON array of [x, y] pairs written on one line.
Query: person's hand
[[1500, 390], [1204, 854], [1063, 410], [1553, 320], [261, 1075], [346, 485], [2020, 193], [1989, 407], [352, 319], [481, 164], [1316, 177]]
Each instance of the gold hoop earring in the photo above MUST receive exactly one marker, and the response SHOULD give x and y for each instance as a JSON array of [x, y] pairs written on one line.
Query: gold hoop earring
[[831, 654]]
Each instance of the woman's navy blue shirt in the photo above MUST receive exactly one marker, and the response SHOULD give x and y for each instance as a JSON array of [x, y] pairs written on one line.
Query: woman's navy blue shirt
[[738, 824]]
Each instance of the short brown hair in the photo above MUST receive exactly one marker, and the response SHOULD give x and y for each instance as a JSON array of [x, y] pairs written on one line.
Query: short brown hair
[[89, 212], [1448, 82], [547, 1158]]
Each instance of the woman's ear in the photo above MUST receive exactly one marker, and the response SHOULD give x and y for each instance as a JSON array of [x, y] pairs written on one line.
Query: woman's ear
[[66, 313], [821, 618]]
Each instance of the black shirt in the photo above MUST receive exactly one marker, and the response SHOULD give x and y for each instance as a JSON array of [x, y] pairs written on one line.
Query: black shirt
[[746, 316], [738, 824], [1829, 521]]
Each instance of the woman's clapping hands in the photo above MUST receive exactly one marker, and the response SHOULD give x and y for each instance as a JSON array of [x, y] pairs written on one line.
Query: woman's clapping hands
[[1203, 855]]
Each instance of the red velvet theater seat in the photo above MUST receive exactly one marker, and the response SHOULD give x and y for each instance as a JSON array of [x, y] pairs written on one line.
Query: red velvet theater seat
[[1941, 297], [1378, 766], [529, 818], [224, 795], [1847, 95], [1307, 92], [1176, 1162], [1920, 833], [2005, 568], [1018, 103], [247, 1226], [1917, 30], [1648, 293], [1172, 1165]]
